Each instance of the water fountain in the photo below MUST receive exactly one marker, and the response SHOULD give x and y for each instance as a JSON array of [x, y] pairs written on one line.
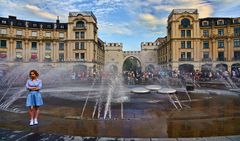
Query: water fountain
[[108, 107]]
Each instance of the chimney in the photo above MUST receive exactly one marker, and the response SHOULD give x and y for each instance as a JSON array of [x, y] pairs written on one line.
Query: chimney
[[58, 21]]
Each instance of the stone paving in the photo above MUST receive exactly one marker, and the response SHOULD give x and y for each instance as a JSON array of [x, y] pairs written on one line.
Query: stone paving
[[9, 135]]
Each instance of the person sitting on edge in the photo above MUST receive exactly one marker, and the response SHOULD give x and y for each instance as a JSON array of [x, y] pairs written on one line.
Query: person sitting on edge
[[34, 98]]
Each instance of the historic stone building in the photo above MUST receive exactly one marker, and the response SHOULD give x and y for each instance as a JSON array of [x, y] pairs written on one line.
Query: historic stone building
[[194, 43], [75, 42]]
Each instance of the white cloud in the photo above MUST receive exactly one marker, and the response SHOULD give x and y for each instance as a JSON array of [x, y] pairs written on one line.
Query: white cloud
[[115, 28], [40, 12]]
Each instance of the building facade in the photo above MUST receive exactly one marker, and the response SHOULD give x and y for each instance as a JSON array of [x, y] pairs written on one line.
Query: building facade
[[74, 42], [194, 43]]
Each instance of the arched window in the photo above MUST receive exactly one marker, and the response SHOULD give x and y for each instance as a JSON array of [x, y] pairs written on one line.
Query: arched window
[[80, 24], [185, 23]]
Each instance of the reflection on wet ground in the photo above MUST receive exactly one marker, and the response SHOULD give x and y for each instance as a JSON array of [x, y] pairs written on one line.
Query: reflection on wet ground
[[149, 115]]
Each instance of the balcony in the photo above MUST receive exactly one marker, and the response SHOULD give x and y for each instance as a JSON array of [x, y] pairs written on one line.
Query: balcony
[[206, 59], [186, 59], [185, 27], [221, 59], [236, 59], [19, 36], [236, 34], [33, 37], [4, 35], [80, 28]]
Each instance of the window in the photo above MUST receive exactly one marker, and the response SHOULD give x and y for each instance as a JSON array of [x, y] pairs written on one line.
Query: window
[[3, 43], [220, 56], [4, 22], [188, 33], [183, 55], [205, 55], [3, 31], [34, 25], [237, 31], [236, 55], [189, 55], [3, 55], [182, 33], [205, 23], [235, 21], [82, 45], [188, 44], [34, 33], [19, 55], [47, 56], [80, 24], [220, 32], [82, 56], [49, 26], [236, 42], [19, 32], [220, 22], [205, 33], [76, 45], [48, 34], [33, 56], [182, 44], [82, 35], [185, 23], [34, 45], [61, 35], [205, 44], [76, 56], [48, 46], [61, 57], [76, 35], [220, 44], [18, 44], [61, 46]]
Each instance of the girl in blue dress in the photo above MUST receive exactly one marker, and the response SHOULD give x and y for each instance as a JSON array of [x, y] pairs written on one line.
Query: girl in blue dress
[[34, 98]]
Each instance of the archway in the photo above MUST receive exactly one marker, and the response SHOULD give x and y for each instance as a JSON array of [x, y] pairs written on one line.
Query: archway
[[206, 68], [236, 67], [132, 63], [150, 68], [186, 68], [113, 69], [221, 67]]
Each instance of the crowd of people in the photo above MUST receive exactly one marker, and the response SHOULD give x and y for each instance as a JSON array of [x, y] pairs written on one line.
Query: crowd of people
[[132, 77]]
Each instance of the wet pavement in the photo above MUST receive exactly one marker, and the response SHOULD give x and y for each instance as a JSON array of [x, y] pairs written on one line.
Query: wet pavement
[[34, 135]]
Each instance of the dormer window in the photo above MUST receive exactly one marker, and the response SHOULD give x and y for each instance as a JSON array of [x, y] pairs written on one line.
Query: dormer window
[[4, 22], [49, 26], [235, 21], [80, 24], [205, 23], [220, 22], [34, 25], [185, 23]]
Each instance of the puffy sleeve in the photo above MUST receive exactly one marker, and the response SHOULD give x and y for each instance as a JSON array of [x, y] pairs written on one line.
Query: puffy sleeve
[[40, 84], [27, 85]]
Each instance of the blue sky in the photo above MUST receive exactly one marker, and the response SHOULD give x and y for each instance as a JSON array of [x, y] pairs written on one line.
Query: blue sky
[[128, 21]]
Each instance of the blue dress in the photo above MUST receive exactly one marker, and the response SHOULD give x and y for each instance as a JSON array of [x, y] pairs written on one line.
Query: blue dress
[[34, 98]]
